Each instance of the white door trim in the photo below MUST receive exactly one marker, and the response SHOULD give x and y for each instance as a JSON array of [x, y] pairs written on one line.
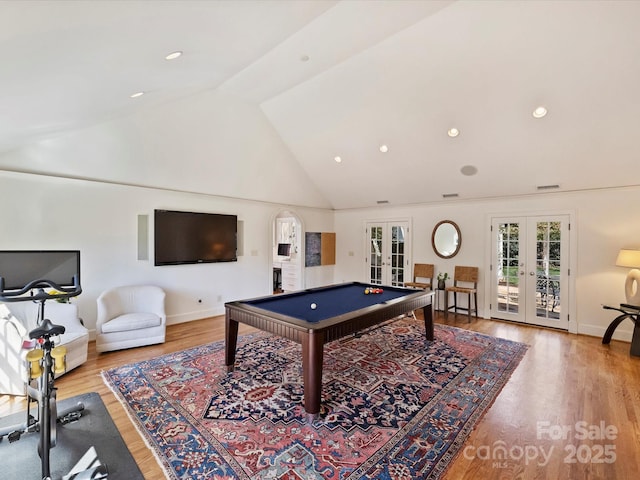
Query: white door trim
[[573, 253], [408, 247]]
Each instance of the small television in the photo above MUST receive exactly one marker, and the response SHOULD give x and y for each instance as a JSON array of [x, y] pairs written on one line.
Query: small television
[[194, 237], [284, 249], [20, 267]]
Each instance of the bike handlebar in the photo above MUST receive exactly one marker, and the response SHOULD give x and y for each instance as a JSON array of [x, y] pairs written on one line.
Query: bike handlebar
[[40, 284]]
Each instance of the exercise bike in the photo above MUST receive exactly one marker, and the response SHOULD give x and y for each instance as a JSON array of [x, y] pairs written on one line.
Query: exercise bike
[[45, 360]]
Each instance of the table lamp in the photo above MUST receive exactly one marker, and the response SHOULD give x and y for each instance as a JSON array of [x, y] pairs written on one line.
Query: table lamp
[[631, 258]]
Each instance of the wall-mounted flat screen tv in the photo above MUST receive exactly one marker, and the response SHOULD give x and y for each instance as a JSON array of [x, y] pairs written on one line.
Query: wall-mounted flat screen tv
[[194, 237], [20, 267]]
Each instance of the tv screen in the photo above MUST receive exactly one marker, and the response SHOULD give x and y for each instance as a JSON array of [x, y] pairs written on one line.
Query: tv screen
[[192, 237], [20, 267], [284, 249]]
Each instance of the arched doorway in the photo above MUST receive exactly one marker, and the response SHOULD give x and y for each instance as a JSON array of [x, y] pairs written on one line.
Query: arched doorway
[[287, 252]]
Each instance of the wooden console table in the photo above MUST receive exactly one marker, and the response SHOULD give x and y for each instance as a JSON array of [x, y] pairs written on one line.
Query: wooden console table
[[626, 311]]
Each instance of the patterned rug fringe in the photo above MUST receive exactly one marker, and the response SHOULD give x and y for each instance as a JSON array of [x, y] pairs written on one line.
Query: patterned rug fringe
[[157, 454]]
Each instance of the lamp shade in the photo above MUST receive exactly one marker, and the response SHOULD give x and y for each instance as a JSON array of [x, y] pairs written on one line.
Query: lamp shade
[[628, 258]]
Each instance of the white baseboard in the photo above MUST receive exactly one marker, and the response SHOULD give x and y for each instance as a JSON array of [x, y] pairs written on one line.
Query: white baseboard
[[197, 315], [622, 333]]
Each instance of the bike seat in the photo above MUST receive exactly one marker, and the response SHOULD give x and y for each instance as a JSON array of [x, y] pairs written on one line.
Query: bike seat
[[46, 330]]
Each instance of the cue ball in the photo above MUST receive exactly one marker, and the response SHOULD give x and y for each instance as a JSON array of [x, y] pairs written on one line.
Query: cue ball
[[313, 306]]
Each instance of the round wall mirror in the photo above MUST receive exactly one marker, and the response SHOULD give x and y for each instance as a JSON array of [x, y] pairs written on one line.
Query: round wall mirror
[[446, 239]]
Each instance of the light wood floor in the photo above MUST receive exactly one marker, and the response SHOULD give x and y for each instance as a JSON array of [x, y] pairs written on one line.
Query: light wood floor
[[563, 379]]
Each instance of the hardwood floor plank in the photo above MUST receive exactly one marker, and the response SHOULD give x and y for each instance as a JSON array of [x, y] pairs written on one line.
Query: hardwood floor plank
[[562, 380]]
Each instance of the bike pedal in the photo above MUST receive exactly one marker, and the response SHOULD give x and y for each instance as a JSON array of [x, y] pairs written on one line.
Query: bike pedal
[[14, 436], [70, 417]]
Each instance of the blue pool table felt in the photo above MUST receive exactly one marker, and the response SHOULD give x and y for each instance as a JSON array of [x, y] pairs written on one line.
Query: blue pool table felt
[[330, 302]]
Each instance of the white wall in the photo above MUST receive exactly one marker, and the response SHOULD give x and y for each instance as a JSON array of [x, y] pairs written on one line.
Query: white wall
[[100, 219], [604, 222]]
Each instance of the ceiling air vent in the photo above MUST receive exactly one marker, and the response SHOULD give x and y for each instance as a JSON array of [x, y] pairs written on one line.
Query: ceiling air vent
[[449, 195], [382, 202], [547, 187]]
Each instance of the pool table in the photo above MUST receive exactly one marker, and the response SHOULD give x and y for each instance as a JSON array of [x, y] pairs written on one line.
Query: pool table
[[317, 316]]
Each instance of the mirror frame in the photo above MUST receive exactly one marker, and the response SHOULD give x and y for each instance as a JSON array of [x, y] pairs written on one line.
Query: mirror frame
[[433, 238]]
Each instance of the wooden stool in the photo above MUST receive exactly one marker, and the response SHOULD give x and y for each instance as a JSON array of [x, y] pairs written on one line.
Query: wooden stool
[[465, 275]]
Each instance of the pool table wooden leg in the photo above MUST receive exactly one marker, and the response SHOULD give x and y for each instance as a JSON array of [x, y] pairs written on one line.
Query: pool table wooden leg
[[312, 358], [428, 321], [231, 341]]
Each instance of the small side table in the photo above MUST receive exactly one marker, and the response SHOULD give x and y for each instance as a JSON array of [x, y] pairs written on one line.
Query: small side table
[[437, 295], [626, 311]]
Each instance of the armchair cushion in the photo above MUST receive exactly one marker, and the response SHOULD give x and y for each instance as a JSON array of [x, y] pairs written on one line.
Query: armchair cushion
[[131, 321]]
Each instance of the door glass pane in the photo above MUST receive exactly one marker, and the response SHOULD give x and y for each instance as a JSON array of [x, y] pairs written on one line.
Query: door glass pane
[[397, 255], [375, 255], [548, 269], [508, 267]]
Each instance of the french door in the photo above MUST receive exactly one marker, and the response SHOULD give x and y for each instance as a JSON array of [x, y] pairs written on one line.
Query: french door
[[388, 250], [530, 269]]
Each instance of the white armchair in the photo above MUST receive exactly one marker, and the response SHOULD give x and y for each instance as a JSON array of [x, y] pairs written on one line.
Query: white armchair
[[130, 316], [17, 320]]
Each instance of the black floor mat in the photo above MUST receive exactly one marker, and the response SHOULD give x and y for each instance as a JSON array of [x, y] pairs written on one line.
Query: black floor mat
[[20, 461]]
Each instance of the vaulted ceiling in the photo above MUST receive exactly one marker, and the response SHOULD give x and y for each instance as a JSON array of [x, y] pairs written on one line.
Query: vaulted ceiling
[[343, 78]]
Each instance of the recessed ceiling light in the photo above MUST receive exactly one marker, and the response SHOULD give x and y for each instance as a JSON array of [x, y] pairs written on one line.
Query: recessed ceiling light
[[539, 112], [453, 132], [384, 148], [136, 95], [173, 55], [337, 159], [304, 58]]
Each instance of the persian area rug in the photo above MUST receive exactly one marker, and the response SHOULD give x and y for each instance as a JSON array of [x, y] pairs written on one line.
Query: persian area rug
[[394, 405]]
